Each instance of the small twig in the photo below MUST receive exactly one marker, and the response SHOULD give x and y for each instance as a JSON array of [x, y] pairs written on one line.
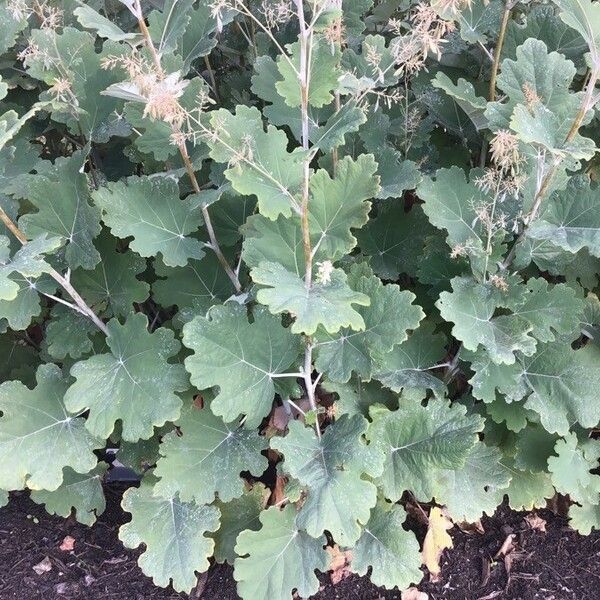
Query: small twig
[[211, 76]]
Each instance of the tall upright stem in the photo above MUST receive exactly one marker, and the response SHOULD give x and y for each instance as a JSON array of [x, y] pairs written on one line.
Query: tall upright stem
[[304, 79], [498, 50], [214, 243]]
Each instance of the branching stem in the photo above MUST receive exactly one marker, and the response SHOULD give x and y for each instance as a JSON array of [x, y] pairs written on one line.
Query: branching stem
[[214, 244], [80, 305]]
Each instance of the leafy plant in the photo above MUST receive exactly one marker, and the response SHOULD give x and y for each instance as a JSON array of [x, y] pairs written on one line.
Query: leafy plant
[[300, 261]]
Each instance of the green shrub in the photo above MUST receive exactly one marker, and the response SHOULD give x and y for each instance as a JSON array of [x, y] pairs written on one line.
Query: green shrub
[[297, 260]]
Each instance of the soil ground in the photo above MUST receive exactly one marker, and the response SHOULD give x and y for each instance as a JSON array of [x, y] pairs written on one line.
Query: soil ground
[[555, 565]]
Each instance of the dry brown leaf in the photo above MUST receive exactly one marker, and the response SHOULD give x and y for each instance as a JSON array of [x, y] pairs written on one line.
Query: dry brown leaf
[[507, 546], [436, 541], [536, 522], [471, 528], [278, 495], [43, 566], [339, 563], [412, 593], [67, 544]]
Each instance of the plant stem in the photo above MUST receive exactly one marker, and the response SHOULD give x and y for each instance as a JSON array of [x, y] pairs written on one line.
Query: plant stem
[[211, 76], [304, 78], [209, 227], [498, 49], [214, 244], [80, 304]]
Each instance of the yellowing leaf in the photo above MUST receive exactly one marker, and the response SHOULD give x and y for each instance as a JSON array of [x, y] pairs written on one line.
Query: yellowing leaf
[[436, 541]]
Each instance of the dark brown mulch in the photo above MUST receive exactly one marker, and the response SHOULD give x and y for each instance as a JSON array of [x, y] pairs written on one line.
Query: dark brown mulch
[[556, 565]]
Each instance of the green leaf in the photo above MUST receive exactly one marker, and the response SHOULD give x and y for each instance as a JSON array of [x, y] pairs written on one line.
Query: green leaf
[[479, 19], [19, 311], [527, 489], [9, 28], [513, 414], [542, 24], [584, 17], [64, 210], [38, 437], [420, 443], [206, 457], [333, 132], [408, 368], [450, 203], [490, 376], [471, 307], [112, 287], [258, 160], [239, 357], [539, 126], [475, 489], [328, 304], [72, 56], [168, 25], [540, 75], [134, 383], [28, 261], [356, 397], [338, 205], [552, 312], [387, 319], [323, 68], [570, 219], [585, 518], [149, 209], [197, 286], [563, 383], [81, 493], [465, 96], [91, 19], [68, 333], [338, 499], [199, 37], [391, 552], [394, 240], [173, 533], [570, 469], [238, 515], [278, 559]]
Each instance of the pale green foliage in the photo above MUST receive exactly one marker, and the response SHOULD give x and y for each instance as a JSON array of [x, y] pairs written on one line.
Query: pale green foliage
[[327, 303], [134, 383], [34, 422], [78, 493], [419, 443], [205, 457], [278, 558], [384, 545], [331, 469], [384, 283], [149, 209], [241, 358], [174, 533]]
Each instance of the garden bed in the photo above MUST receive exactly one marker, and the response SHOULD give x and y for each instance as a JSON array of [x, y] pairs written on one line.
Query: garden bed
[[557, 564]]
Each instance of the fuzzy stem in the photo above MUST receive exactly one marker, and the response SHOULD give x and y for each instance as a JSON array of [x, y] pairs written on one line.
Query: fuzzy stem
[[81, 306], [304, 78], [186, 159], [498, 49]]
